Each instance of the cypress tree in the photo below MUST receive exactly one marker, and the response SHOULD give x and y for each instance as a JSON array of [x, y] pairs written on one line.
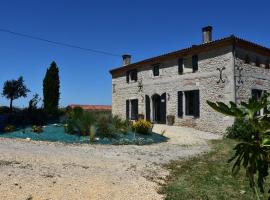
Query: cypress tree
[[51, 87]]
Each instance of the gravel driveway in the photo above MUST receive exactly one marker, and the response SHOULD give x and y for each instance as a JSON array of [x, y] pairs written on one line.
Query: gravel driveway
[[45, 170]]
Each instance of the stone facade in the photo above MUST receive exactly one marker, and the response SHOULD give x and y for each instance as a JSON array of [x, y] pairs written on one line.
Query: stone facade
[[233, 86]]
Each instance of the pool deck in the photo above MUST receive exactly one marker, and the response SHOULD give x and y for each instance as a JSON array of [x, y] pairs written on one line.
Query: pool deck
[[47, 170]]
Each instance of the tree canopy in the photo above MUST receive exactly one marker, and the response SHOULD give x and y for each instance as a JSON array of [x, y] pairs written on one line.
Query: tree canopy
[[14, 89], [51, 87]]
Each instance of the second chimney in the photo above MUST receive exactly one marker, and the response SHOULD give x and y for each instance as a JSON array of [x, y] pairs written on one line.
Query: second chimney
[[126, 59], [207, 34]]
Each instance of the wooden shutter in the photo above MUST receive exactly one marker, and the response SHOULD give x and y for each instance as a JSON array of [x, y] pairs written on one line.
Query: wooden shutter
[[180, 66], [147, 107], [180, 104], [127, 77], [135, 75], [127, 109], [196, 103], [195, 63], [134, 109]]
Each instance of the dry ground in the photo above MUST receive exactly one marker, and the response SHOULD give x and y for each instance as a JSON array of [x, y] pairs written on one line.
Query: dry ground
[[44, 170]]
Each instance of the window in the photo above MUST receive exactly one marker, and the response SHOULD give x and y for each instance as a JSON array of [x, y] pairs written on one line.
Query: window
[[134, 109], [127, 77], [258, 62], [133, 75], [256, 94], [156, 70], [247, 59], [192, 102], [194, 63], [180, 66], [267, 66]]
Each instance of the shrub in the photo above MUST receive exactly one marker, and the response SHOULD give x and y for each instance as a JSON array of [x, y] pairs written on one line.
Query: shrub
[[37, 129], [241, 129], [92, 133], [142, 127], [10, 128], [108, 126], [170, 120], [103, 127], [79, 121], [140, 116]]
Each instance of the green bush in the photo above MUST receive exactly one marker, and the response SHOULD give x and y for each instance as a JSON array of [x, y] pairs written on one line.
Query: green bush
[[79, 121], [108, 126], [241, 129], [142, 127], [10, 128], [37, 129]]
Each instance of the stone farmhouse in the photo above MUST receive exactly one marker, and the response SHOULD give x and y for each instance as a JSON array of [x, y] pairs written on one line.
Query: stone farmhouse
[[177, 84]]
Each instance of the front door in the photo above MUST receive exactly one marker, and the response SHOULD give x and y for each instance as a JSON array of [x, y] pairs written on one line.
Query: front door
[[159, 108]]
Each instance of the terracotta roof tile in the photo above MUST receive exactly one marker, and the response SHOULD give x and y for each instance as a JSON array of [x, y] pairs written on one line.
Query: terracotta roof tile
[[93, 107]]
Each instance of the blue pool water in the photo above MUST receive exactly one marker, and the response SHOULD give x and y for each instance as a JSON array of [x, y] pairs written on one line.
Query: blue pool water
[[57, 133]]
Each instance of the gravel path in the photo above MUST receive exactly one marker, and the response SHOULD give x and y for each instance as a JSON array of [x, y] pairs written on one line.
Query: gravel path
[[44, 170]]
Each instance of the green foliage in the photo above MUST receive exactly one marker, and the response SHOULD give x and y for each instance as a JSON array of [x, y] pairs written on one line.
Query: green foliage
[[92, 134], [104, 128], [142, 127], [207, 177], [10, 128], [37, 129], [79, 121], [32, 105], [253, 155], [241, 129], [170, 120], [14, 89], [51, 87]]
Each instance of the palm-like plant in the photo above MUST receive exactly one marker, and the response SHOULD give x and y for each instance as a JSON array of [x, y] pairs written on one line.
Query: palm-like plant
[[254, 153]]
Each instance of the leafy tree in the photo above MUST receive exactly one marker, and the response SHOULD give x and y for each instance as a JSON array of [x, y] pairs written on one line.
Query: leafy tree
[[14, 89], [51, 87], [253, 154], [33, 102]]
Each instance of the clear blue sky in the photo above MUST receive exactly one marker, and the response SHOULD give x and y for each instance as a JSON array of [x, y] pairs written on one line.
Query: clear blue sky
[[143, 28]]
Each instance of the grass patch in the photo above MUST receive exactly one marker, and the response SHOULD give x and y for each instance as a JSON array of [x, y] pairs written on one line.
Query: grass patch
[[208, 177]]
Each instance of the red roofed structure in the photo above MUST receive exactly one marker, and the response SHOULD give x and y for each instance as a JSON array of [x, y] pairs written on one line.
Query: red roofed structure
[[93, 107]]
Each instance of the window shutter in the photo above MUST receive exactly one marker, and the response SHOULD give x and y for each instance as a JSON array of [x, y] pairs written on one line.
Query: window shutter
[[195, 63], [136, 75], [196, 103], [180, 104], [180, 66], [136, 109], [127, 109], [127, 77]]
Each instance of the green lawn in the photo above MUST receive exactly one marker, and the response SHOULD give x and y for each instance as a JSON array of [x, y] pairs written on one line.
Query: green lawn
[[208, 177]]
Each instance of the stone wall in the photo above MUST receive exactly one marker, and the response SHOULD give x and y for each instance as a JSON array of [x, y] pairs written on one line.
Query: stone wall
[[169, 81], [249, 76]]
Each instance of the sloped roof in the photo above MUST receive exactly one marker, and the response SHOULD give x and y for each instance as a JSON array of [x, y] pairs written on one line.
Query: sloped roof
[[93, 107], [231, 40]]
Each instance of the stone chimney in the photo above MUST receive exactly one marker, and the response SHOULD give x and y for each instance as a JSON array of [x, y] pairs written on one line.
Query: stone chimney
[[126, 59], [207, 34]]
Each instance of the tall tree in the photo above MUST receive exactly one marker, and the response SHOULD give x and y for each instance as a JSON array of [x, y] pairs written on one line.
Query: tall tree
[[51, 87], [14, 89]]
